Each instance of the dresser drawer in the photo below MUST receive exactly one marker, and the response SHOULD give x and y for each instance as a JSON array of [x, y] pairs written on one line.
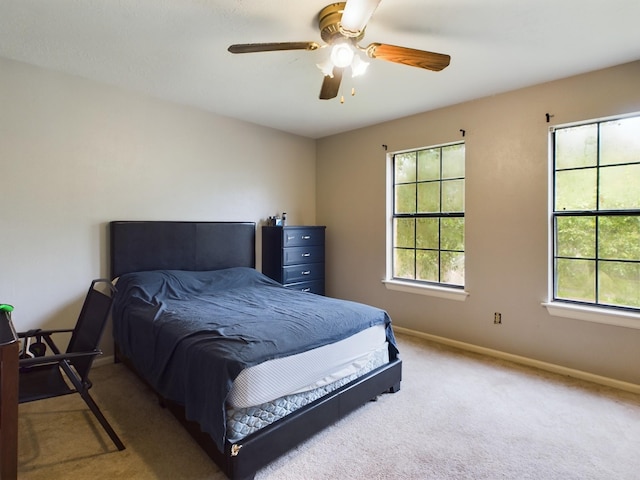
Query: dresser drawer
[[316, 287], [296, 237], [308, 254], [302, 273]]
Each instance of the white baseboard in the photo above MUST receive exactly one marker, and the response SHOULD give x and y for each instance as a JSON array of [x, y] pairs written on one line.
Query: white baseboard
[[530, 362]]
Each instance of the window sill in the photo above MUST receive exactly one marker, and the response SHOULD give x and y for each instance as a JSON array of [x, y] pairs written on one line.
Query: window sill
[[594, 314], [430, 290]]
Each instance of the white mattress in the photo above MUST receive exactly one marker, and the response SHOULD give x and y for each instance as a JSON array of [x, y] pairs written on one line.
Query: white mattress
[[305, 371], [245, 421]]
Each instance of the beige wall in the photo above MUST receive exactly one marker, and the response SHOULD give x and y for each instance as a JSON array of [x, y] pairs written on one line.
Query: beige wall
[[76, 154], [506, 221]]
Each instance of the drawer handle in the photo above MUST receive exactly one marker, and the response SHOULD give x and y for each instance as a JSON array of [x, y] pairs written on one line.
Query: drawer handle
[[306, 289], [306, 237], [306, 254], [306, 272], [290, 237]]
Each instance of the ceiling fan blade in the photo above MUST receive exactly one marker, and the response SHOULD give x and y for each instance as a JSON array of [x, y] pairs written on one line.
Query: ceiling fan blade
[[272, 47], [356, 15], [331, 85], [409, 56]]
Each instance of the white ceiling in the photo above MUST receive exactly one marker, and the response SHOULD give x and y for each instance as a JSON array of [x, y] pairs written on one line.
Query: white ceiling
[[177, 50]]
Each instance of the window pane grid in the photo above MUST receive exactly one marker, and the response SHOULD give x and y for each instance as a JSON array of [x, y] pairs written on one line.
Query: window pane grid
[[596, 217], [429, 188]]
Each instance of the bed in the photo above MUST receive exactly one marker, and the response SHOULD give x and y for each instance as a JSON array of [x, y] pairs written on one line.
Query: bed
[[249, 367]]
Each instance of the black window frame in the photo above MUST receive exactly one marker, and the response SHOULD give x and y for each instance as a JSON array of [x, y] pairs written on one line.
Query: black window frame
[[596, 213], [416, 216]]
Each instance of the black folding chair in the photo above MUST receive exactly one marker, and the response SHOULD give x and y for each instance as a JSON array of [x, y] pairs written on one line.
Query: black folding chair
[[43, 375]]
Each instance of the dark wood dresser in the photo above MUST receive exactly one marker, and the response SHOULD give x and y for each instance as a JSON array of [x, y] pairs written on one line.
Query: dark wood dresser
[[294, 256]]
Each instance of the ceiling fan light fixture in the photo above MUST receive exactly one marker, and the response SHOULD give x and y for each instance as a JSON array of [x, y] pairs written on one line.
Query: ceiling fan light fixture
[[326, 67], [342, 54], [358, 66]]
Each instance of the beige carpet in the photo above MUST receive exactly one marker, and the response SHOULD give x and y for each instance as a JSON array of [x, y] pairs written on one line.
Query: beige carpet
[[457, 416]]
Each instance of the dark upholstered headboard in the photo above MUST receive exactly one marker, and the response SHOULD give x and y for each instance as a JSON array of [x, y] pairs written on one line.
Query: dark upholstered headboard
[[157, 245]]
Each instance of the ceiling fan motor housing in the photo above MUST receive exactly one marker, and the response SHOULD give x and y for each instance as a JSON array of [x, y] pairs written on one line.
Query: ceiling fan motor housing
[[329, 23]]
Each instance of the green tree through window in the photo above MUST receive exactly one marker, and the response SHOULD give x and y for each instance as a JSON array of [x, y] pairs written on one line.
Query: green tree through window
[[428, 215], [596, 213]]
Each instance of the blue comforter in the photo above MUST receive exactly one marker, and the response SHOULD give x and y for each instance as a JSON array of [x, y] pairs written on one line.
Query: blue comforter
[[191, 333]]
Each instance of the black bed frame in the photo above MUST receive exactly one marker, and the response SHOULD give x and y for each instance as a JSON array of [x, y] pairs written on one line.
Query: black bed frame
[[154, 245]]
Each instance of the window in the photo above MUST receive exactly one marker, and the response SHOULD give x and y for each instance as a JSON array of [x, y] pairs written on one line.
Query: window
[[596, 213], [427, 238]]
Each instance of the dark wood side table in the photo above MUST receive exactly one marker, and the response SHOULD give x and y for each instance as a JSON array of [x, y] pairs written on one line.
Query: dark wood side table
[[9, 353]]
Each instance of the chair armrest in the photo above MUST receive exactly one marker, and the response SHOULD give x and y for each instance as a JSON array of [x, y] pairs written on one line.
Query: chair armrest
[[39, 332], [48, 359]]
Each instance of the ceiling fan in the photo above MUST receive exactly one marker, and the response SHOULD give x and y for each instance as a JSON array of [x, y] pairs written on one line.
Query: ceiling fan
[[342, 26]]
